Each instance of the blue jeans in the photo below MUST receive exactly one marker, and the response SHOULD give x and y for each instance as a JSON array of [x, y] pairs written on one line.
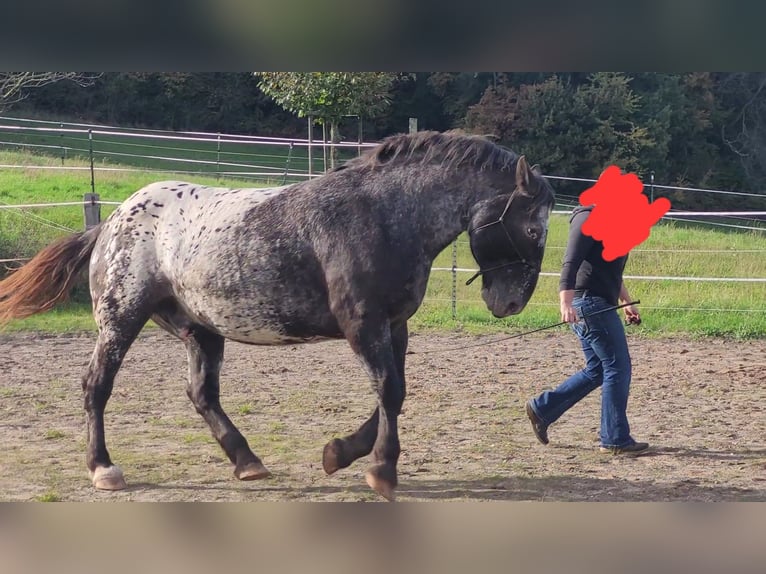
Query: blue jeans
[[607, 365]]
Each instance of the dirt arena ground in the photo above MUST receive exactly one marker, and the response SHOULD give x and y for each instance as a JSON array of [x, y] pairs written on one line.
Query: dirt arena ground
[[463, 432]]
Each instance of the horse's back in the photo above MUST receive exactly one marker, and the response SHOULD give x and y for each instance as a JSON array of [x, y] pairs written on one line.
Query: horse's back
[[267, 265], [148, 232], [213, 253], [177, 216]]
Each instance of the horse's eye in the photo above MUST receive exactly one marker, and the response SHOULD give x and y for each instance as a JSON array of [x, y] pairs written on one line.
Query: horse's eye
[[532, 232]]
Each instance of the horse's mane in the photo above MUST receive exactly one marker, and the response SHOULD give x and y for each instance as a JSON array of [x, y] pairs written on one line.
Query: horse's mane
[[449, 149]]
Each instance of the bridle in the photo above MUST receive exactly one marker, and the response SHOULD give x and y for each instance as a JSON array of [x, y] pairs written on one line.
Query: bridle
[[521, 259]]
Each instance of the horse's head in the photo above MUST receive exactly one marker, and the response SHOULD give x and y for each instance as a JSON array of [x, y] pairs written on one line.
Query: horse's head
[[507, 236]]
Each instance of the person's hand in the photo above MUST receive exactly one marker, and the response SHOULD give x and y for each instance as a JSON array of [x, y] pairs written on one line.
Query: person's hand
[[568, 313], [632, 317]]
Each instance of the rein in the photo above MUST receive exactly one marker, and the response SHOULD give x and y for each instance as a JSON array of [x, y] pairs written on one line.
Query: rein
[[520, 259], [583, 318]]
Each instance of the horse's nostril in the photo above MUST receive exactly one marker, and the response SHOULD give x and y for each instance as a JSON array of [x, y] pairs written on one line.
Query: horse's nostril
[[513, 308]]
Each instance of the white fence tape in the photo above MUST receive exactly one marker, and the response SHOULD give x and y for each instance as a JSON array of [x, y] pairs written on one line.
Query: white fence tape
[[641, 277], [208, 137]]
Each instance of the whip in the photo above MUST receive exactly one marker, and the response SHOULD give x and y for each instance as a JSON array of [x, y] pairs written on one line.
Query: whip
[[584, 317]]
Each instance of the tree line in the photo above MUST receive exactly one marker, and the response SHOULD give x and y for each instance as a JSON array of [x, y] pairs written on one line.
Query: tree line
[[700, 129]]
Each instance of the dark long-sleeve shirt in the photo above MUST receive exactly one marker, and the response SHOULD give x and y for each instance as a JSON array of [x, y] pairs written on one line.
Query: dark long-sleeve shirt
[[584, 267]]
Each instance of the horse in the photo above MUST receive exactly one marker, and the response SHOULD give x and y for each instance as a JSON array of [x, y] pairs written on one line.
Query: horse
[[344, 255]]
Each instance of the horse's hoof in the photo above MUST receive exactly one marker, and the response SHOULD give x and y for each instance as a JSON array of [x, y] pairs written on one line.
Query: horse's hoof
[[252, 471], [108, 478], [333, 458], [382, 479]]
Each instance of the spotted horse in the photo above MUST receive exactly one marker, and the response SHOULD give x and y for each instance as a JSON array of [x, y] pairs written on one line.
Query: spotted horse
[[345, 255]]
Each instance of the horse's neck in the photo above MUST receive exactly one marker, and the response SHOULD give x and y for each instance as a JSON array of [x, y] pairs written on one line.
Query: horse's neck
[[445, 208]]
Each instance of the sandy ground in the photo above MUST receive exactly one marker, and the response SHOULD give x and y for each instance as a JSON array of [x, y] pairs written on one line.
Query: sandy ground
[[463, 431]]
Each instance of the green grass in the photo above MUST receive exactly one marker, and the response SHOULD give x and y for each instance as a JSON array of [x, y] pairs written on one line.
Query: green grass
[[198, 438], [246, 409], [48, 497], [668, 307]]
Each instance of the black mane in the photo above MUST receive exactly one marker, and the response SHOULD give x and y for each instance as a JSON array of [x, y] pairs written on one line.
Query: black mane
[[450, 149]]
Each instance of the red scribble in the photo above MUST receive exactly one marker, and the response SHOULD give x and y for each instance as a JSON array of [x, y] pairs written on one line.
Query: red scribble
[[622, 216]]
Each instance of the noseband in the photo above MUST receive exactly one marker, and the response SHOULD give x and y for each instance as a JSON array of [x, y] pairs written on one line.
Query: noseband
[[500, 221]]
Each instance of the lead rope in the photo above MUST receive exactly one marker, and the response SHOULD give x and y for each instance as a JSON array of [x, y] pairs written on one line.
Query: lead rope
[[584, 318]]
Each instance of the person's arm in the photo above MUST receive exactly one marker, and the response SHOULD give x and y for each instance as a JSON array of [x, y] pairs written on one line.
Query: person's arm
[[631, 312], [578, 246]]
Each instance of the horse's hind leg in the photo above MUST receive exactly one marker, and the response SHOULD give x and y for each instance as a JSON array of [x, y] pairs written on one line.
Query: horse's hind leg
[[341, 452], [205, 350], [111, 346]]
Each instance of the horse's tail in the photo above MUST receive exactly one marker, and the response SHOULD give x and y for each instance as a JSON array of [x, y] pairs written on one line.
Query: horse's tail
[[47, 278]]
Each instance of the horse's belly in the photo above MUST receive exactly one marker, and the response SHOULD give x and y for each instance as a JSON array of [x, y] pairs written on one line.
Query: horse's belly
[[267, 337], [258, 323]]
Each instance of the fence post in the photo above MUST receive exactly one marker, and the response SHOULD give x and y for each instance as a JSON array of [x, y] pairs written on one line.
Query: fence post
[[92, 210], [311, 140], [92, 175], [361, 136], [287, 164], [218, 158], [324, 145], [413, 125], [651, 188], [454, 279], [61, 141]]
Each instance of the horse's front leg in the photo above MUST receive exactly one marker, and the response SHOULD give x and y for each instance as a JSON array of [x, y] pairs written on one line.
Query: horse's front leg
[[205, 351], [374, 346], [341, 452]]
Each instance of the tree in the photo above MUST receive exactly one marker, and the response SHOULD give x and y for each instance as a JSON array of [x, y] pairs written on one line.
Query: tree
[[14, 86], [615, 132], [681, 113], [330, 95], [743, 132], [570, 130], [459, 90]]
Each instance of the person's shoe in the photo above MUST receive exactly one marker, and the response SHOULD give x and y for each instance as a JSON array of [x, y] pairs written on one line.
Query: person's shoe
[[633, 448], [538, 426]]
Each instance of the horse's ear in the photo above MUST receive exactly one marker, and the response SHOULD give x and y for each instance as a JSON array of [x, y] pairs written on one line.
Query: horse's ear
[[522, 173], [536, 169]]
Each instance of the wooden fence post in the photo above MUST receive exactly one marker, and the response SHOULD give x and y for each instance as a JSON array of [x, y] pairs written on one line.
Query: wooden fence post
[[92, 210], [311, 142]]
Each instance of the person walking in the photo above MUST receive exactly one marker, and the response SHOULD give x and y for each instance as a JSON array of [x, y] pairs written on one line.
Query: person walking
[[589, 284]]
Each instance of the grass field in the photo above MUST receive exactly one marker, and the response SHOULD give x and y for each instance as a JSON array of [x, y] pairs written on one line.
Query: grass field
[[732, 309]]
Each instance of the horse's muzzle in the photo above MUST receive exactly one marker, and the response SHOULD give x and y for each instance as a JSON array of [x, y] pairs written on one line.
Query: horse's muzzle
[[512, 308]]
